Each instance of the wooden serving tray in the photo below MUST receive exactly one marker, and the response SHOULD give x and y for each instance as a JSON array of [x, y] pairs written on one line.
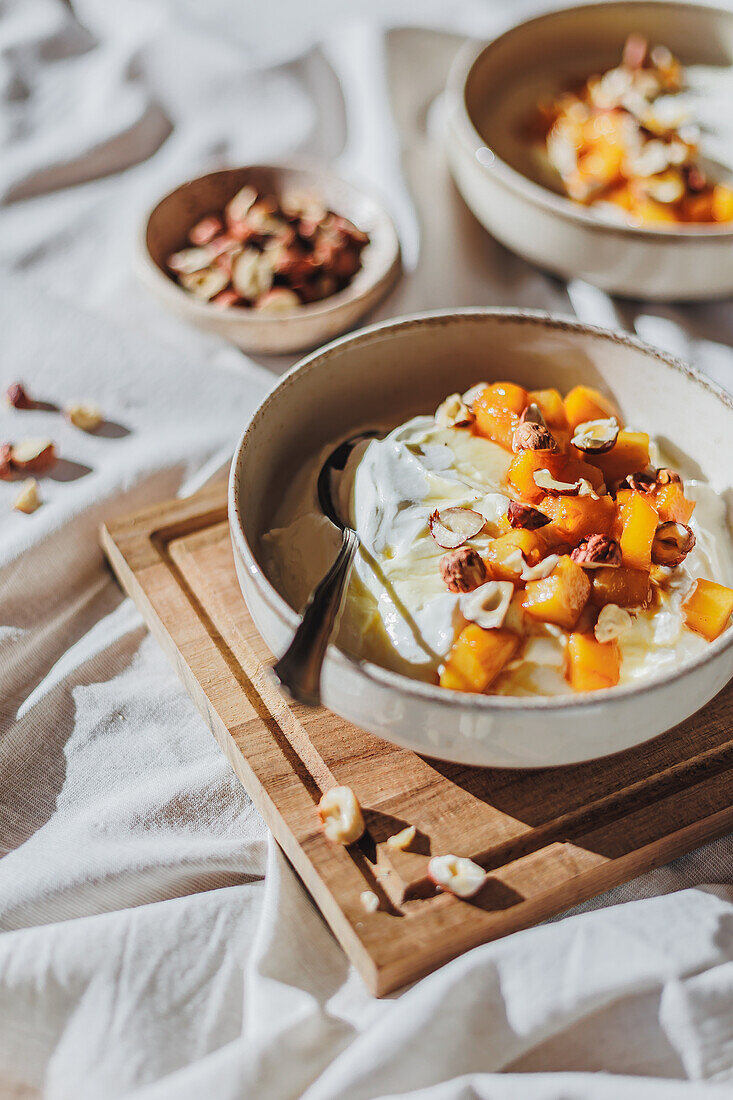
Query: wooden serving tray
[[549, 838]]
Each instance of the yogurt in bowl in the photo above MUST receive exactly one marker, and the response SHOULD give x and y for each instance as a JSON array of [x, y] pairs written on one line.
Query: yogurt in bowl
[[415, 589], [381, 673]]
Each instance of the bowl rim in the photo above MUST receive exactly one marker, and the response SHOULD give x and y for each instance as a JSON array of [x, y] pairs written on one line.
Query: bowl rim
[[463, 65], [405, 685], [311, 311]]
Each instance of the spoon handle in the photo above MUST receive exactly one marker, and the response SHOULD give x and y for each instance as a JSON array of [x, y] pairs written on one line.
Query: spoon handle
[[299, 669]]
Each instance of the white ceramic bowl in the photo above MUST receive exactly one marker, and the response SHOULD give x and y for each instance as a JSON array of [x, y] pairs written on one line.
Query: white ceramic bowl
[[491, 93], [393, 371], [165, 230]]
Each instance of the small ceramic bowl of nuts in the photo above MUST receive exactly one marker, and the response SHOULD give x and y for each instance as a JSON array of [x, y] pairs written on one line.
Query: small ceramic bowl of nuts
[[274, 258]]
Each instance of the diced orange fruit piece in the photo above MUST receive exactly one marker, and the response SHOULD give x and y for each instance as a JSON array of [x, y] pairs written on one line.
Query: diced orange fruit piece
[[532, 544], [559, 598], [497, 411], [622, 586], [672, 504], [575, 517], [639, 521], [525, 465], [584, 403], [707, 608], [592, 665], [477, 657], [722, 205], [628, 456]]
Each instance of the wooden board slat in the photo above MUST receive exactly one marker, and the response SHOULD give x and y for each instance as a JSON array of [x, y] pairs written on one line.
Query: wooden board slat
[[550, 838]]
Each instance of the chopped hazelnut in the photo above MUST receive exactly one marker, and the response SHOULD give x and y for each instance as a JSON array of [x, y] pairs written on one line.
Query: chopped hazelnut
[[596, 437], [457, 874], [666, 477], [340, 812], [523, 515], [369, 901], [597, 551], [462, 570], [6, 455], [533, 437], [401, 841], [28, 498], [612, 623], [18, 397], [672, 543], [85, 415], [34, 455]]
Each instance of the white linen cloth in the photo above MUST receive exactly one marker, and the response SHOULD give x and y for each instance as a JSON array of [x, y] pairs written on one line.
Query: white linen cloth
[[154, 943]]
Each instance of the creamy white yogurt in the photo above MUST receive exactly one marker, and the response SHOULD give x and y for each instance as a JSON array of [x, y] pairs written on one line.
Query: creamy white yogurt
[[398, 612]]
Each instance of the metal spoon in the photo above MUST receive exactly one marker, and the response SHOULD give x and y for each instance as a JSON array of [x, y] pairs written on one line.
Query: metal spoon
[[299, 669]]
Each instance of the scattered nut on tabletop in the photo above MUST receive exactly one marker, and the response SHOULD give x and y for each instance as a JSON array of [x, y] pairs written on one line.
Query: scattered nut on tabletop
[[267, 253], [6, 464], [85, 415], [33, 455], [402, 840], [369, 901], [28, 499], [340, 812], [457, 874], [18, 398]]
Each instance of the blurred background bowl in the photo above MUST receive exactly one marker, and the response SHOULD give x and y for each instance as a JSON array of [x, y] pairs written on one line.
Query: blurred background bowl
[[493, 90]]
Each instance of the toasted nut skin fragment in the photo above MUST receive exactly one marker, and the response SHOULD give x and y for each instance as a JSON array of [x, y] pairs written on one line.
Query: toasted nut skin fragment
[[28, 498], [526, 517], [559, 598], [529, 436], [592, 665], [17, 396], [477, 658], [666, 476], [707, 608], [597, 551], [6, 468], [341, 815], [457, 874], [402, 840], [33, 455], [639, 482], [463, 569], [625, 587], [672, 543]]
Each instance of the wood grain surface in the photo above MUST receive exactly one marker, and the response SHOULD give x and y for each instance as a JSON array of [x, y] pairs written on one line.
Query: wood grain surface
[[550, 838]]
